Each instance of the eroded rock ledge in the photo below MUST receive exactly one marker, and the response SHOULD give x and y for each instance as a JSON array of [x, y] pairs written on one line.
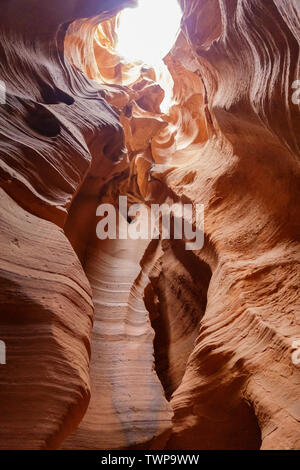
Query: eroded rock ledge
[[123, 344]]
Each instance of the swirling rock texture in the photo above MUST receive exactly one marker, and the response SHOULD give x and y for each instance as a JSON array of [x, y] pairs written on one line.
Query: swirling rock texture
[[189, 350]]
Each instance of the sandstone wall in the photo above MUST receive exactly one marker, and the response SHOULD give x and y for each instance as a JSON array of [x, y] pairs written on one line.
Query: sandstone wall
[[82, 126]]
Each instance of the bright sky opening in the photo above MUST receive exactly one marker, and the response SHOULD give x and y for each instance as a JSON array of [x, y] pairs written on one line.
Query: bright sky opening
[[148, 32]]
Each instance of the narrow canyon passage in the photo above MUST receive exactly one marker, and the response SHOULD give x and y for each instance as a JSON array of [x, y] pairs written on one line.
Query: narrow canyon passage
[[167, 124], [149, 296], [127, 402], [119, 343]]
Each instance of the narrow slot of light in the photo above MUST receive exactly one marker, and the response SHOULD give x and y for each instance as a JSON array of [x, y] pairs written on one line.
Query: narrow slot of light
[[148, 32]]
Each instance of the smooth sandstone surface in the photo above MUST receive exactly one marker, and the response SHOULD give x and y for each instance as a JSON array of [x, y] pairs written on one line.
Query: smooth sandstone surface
[[189, 350], [49, 128]]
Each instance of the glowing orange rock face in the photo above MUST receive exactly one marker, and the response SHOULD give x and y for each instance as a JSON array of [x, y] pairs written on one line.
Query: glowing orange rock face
[[48, 125], [215, 124], [216, 144]]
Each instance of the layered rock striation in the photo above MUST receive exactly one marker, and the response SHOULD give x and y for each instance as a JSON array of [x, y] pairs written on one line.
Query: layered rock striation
[[189, 349]]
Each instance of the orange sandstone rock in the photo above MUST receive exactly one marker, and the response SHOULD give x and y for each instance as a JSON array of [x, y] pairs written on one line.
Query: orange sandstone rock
[[214, 125]]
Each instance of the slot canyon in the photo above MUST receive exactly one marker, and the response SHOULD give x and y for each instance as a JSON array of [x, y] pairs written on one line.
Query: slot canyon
[[140, 344]]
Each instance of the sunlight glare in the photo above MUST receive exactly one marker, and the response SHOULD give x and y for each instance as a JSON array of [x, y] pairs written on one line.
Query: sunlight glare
[[148, 32]]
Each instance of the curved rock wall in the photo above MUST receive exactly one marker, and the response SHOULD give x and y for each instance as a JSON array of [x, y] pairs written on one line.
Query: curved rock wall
[[224, 317], [52, 124]]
